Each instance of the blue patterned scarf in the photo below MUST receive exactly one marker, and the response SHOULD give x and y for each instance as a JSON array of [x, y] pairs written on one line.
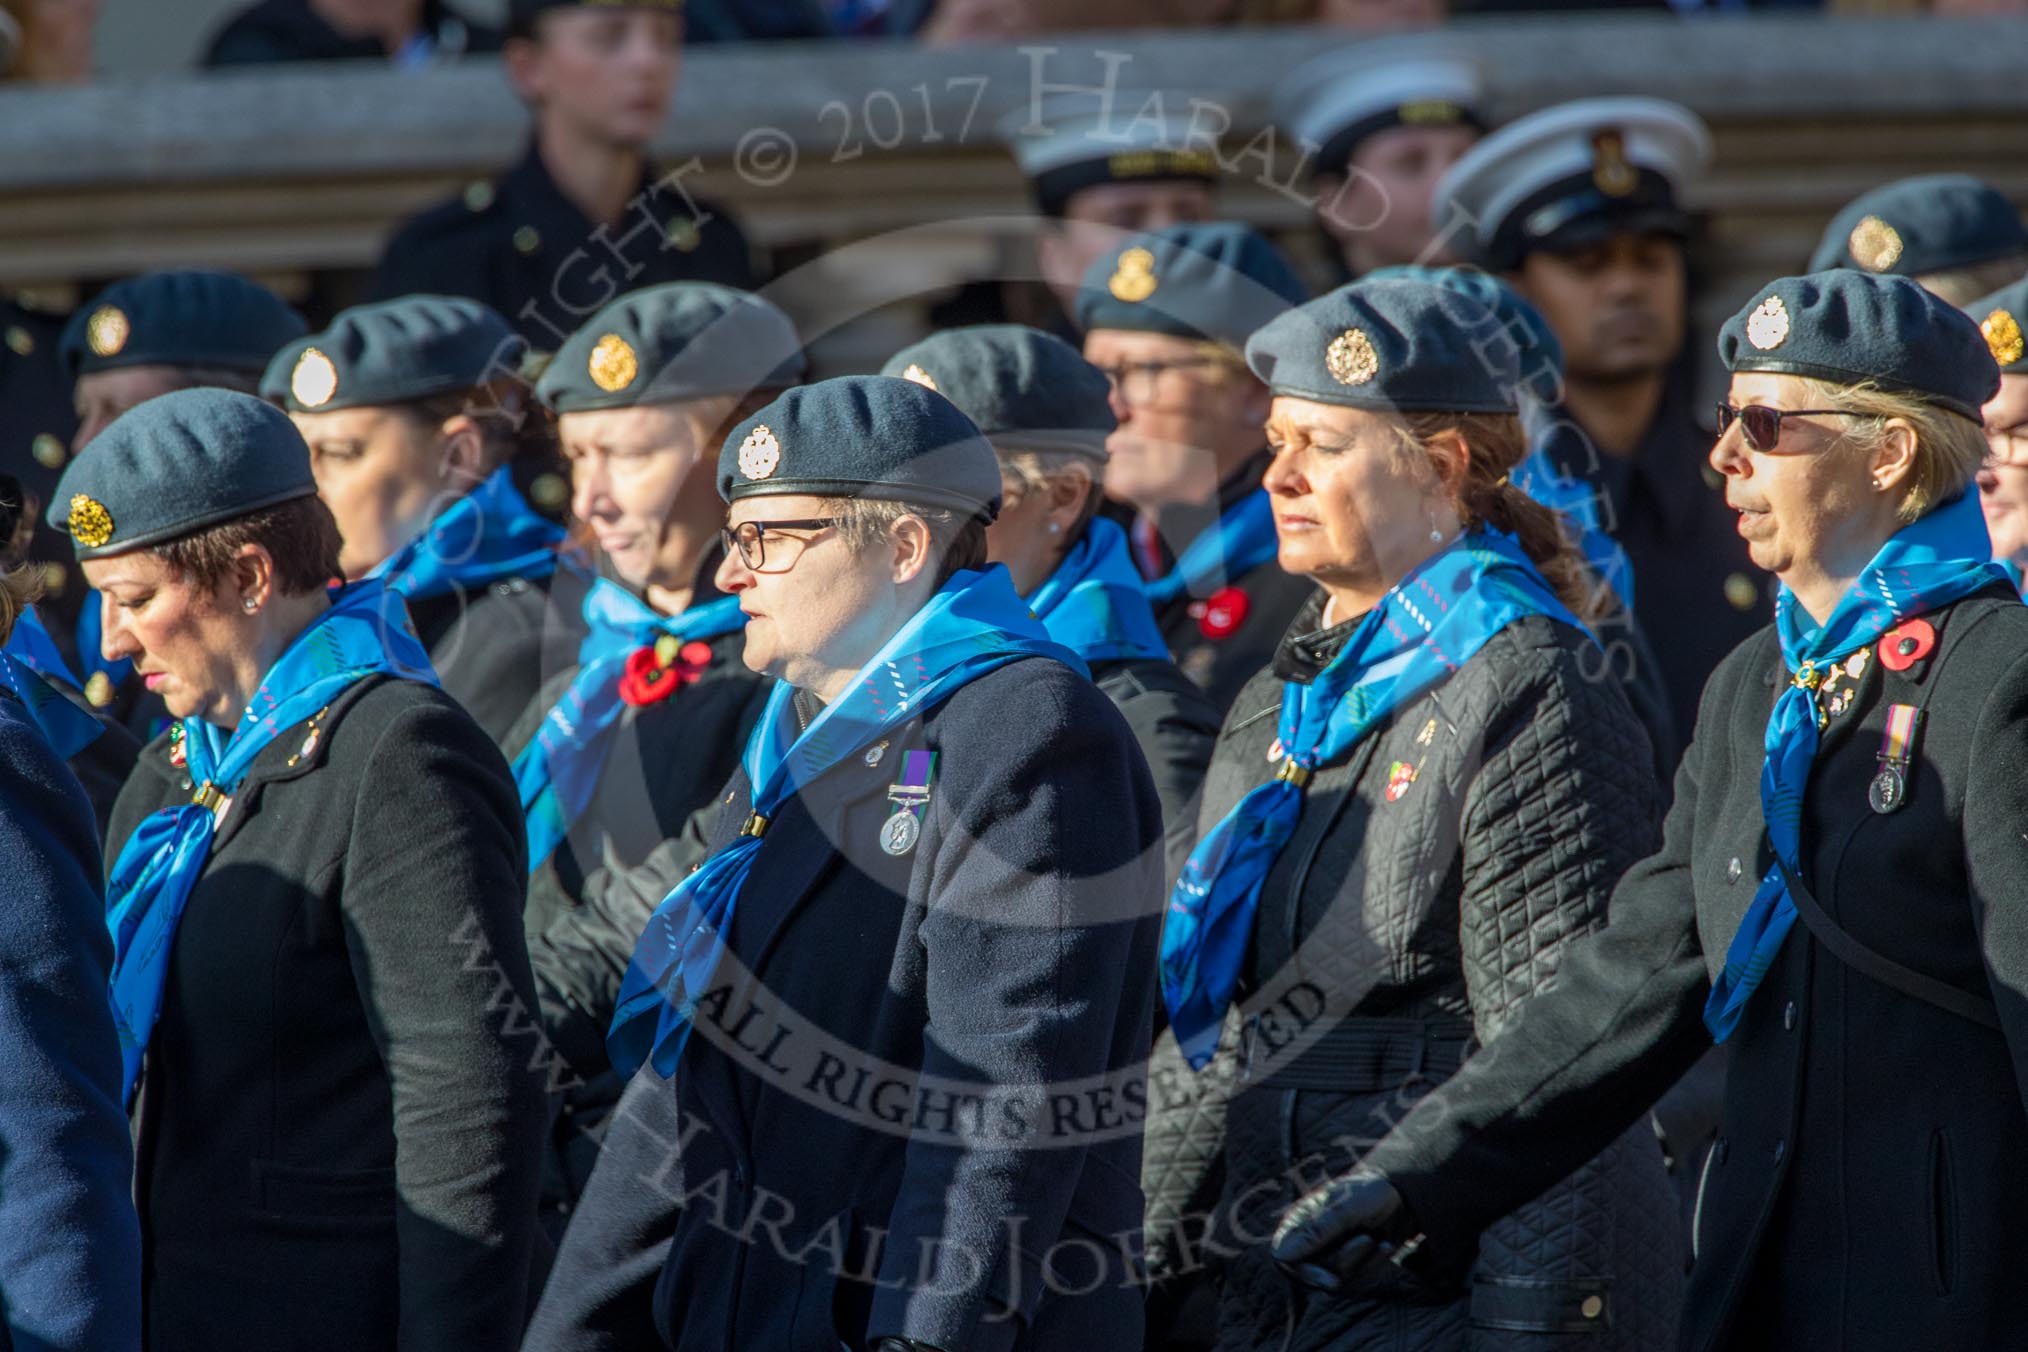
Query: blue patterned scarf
[[1242, 541], [489, 534], [1422, 631], [1926, 566], [1094, 603], [365, 631], [67, 728], [31, 645], [974, 625], [558, 771]]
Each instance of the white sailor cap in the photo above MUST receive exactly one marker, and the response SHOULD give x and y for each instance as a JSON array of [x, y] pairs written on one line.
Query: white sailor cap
[[1339, 99], [1571, 175], [1078, 140]]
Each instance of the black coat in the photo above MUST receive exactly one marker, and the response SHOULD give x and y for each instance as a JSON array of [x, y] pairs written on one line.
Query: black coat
[[70, 1251], [1175, 725], [494, 647], [1439, 871], [518, 244], [1013, 949], [341, 1114], [1862, 1193], [290, 30]]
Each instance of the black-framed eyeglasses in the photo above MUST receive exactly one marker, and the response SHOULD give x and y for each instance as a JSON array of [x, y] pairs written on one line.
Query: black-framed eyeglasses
[[1762, 426], [751, 540]]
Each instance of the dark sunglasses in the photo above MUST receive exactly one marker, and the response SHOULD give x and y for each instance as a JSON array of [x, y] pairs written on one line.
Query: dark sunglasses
[[1762, 426]]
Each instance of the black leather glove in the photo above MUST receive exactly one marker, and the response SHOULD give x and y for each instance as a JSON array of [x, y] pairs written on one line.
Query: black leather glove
[[1353, 1234]]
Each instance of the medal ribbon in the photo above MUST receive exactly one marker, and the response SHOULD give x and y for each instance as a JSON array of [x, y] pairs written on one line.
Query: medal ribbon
[[975, 624], [1925, 566], [1422, 631]]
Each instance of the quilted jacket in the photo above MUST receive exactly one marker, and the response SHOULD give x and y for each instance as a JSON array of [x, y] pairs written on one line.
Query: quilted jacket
[[1437, 872]]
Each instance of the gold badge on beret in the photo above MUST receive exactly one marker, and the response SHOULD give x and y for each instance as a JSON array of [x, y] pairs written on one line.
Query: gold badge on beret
[[759, 453], [1767, 328], [2003, 337], [919, 376], [1133, 281], [1610, 171], [612, 364], [91, 525], [315, 379], [1351, 359], [1874, 244], [108, 330]]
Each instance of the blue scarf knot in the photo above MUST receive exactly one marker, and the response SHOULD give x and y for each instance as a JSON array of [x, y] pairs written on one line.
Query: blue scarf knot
[[1926, 565], [489, 534], [365, 631], [975, 624], [1423, 630], [558, 772], [1095, 604]]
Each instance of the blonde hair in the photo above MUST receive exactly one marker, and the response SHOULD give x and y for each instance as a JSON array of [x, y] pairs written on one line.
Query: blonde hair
[[1031, 471], [1494, 444], [1949, 447], [19, 589], [1975, 281]]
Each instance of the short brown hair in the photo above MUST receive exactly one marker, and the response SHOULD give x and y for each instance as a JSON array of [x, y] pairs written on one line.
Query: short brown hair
[[960, 541], [299, 534]]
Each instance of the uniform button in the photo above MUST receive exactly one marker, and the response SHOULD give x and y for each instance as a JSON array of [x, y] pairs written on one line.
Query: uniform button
[[1733, 870], [512, 586], [478, 195], [1781, 1151], [48, 451], [185, 784], [527, 239], [1739, 590], [20, 340], [1592, 1308], [1789, 1016]]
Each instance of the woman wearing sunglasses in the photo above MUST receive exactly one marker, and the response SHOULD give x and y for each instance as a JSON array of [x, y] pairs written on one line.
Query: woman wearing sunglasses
[[1838, 897], [2003, 479], [1409, 816], [314, 897]]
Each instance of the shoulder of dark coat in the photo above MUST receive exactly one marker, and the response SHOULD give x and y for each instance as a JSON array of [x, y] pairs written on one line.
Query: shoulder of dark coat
[[1984, 636], [1030, 703], [32, 767], [1155, 686]]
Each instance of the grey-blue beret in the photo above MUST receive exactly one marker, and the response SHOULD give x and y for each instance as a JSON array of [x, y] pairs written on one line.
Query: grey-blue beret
[[1391, 346], [185, 317], [1025, 389], [411, 347], [683, 340]]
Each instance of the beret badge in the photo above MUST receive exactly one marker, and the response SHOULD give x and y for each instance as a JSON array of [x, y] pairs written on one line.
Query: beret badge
[[1134, 280], [759, 453], [315, 379], [107, 330], [91, 525], [1874, 244], [1610, 171], [1767, 328], [1351, 359], [2003, 337], [919, 376], [612, 364]]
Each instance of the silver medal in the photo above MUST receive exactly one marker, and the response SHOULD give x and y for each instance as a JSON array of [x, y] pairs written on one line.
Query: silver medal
[[900, 833]]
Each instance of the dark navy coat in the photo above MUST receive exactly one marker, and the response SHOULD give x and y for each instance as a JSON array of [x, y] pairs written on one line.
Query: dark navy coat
[[70, 1246], [1863, 1192], [898, 1084]]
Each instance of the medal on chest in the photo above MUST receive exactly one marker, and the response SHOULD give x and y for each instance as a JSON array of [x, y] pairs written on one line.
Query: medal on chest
[[909, 796], [1889, 789]]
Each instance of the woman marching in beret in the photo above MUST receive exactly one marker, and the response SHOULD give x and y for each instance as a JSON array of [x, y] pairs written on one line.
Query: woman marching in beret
[[414, 410], [646, 726], [1410, 816], [315, 905], [1837, 897], [1047, 412], [938, 866]]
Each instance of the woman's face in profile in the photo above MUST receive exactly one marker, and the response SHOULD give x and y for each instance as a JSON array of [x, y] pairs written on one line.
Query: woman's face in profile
[[185, 640]]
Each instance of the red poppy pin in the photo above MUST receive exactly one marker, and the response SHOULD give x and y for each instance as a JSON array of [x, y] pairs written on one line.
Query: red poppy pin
[[1906, 644], [649, 680], [1399, 776], [1223, 612]]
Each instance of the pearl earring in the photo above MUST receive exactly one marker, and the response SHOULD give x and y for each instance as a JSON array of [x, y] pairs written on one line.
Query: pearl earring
[[251, 605], [1055, 529]]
